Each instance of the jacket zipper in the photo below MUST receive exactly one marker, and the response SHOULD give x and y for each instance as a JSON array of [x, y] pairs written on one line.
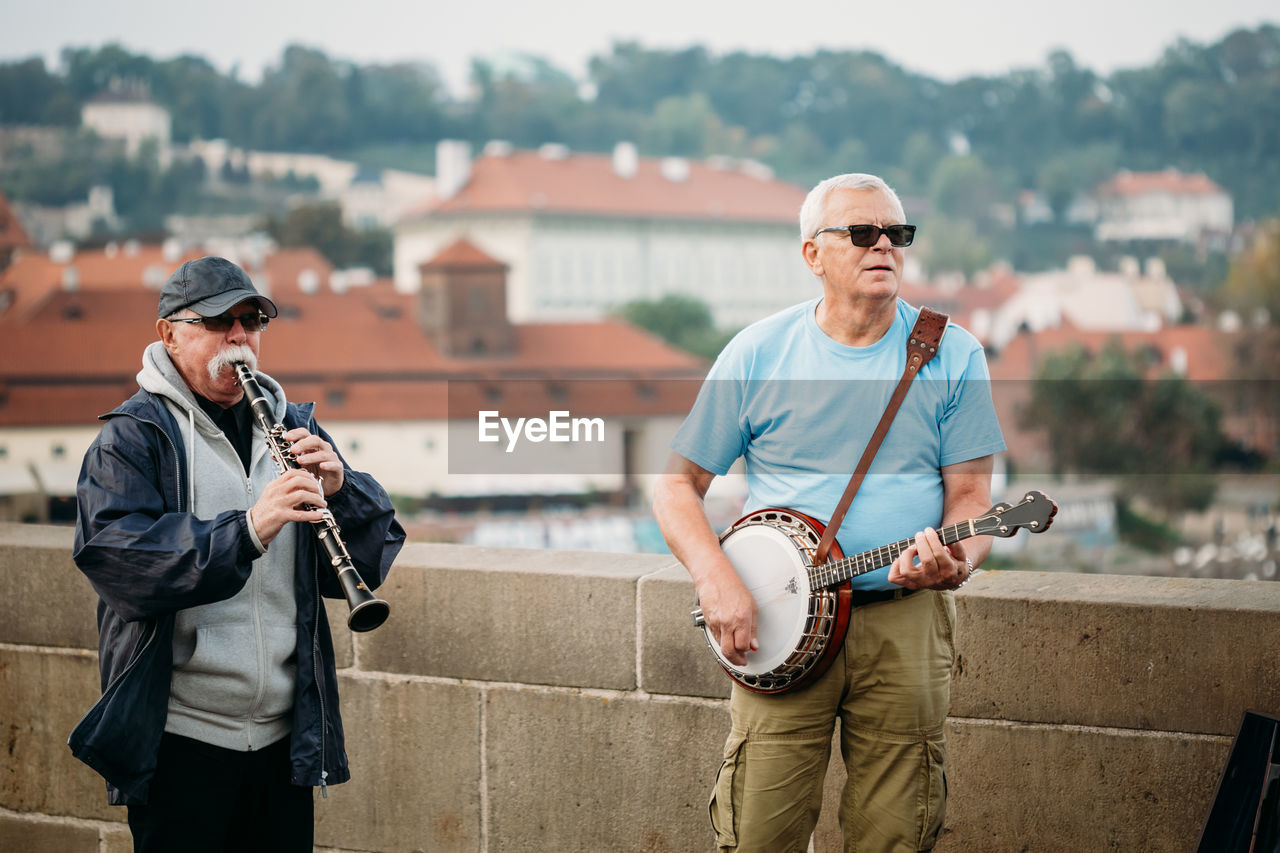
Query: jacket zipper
[[259, 640]]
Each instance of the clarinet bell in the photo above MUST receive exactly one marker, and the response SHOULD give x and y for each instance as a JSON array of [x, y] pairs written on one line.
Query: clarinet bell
[[367, 610]]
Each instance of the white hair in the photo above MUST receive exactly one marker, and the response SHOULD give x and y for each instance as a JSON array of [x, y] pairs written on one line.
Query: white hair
[[228, 357], [815, 202]]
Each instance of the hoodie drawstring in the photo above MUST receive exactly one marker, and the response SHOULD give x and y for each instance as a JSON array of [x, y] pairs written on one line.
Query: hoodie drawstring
[[191, 459]]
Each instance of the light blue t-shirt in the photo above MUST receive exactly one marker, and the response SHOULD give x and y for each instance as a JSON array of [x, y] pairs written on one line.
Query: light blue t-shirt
[[801, 407]]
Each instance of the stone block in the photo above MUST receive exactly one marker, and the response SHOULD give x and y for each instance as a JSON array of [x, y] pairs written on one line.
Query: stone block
[[46, 836], [414, 750], [580, 773], [117, 839], [509, 615], [44, 599], [45, 695], [1166, 654], [1063, 789], [674, 657]]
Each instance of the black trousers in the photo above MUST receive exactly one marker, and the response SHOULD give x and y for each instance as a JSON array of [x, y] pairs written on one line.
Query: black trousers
[[206, 799]]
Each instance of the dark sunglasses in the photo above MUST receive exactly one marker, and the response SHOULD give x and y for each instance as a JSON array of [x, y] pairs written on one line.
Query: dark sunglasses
[[866, 236], [254, 322]]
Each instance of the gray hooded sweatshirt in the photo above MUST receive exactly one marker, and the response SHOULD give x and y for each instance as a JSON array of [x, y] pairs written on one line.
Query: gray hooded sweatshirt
[[233, 660]]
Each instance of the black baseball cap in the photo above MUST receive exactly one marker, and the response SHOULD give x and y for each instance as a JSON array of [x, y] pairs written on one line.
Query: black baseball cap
[[209, 286]]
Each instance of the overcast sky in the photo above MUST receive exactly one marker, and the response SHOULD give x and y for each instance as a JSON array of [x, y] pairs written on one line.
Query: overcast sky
[[943, 38]]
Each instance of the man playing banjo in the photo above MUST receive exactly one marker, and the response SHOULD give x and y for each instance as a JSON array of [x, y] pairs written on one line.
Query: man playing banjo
[[798, 395]]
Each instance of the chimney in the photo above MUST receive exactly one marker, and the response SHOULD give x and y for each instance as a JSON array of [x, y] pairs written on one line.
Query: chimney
[[171, 250], [462, 303], [674, 169], [626, 161], [62, 251], [453, 167]]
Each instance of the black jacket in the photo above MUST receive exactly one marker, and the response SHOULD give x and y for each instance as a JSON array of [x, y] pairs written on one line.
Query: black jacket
[[148, 557]]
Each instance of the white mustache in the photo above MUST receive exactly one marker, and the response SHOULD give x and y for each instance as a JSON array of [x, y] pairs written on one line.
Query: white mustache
[[229, 357]]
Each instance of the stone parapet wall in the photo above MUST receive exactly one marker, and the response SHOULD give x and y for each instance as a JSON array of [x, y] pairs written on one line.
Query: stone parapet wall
[[539, 700]]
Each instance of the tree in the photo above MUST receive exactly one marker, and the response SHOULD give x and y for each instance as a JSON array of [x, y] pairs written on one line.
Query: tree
[[30, 95], [681, 321], [1064, 176], [320, 226], [684, 126], [962, 187], [949, 245], [1159, 437], [634, 78], [524, 100], [1254, 278], [302, 104]]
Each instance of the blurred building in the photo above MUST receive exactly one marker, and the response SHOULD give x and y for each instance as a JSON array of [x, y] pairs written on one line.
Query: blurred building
[[125, 112], [369, 197], [1167, 206], [396, 376], [582, 234], [1134, 298]]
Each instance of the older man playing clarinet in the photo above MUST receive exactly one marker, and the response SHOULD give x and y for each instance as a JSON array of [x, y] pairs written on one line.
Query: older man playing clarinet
[[220, 707]]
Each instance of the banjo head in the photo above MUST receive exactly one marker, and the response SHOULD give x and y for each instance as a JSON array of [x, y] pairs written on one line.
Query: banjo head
[[767, 560]]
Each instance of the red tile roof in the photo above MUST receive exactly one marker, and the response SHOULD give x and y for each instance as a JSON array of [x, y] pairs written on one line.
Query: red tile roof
[[35, 276], [1169, 181], [462, 253], [360, 355], [1208, 351], [527, 181]]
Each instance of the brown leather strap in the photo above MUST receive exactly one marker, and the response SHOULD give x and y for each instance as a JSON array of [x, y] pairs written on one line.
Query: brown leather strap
[[922, 346]]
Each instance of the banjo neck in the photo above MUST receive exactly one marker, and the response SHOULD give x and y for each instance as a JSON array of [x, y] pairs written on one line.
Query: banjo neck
[[838, 571]]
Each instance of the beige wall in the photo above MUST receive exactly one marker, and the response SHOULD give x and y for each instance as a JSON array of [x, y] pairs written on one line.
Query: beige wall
[[539, 701]]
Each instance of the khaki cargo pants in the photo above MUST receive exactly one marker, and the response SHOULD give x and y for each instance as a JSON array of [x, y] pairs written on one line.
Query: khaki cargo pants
[[890, 687]]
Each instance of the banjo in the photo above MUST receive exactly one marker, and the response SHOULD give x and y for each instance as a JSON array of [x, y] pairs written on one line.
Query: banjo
[[804, 608]]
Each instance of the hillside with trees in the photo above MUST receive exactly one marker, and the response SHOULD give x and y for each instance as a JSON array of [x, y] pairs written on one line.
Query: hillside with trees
[[1058, 128]]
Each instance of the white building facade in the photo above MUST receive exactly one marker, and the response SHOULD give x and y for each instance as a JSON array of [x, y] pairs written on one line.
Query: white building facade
[[1164, 206], [132, 120], [584, 234]]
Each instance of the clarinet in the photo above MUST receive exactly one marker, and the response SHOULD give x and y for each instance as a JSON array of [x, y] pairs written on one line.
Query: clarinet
[[367, 610]]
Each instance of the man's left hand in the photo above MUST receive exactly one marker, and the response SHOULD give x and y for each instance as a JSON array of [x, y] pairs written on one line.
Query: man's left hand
[[317, 456], [939, 566]]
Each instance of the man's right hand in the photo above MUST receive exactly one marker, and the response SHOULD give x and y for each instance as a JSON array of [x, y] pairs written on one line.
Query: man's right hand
[[727, 606], [730, 613], [282, 501]]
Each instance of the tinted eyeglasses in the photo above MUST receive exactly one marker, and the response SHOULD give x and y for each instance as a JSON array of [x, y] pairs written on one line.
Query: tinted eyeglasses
[[255, 322], [866, 236]]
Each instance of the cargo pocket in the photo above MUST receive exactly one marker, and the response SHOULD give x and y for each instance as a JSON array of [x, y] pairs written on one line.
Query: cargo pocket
[[723, 810], [935, 798]]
